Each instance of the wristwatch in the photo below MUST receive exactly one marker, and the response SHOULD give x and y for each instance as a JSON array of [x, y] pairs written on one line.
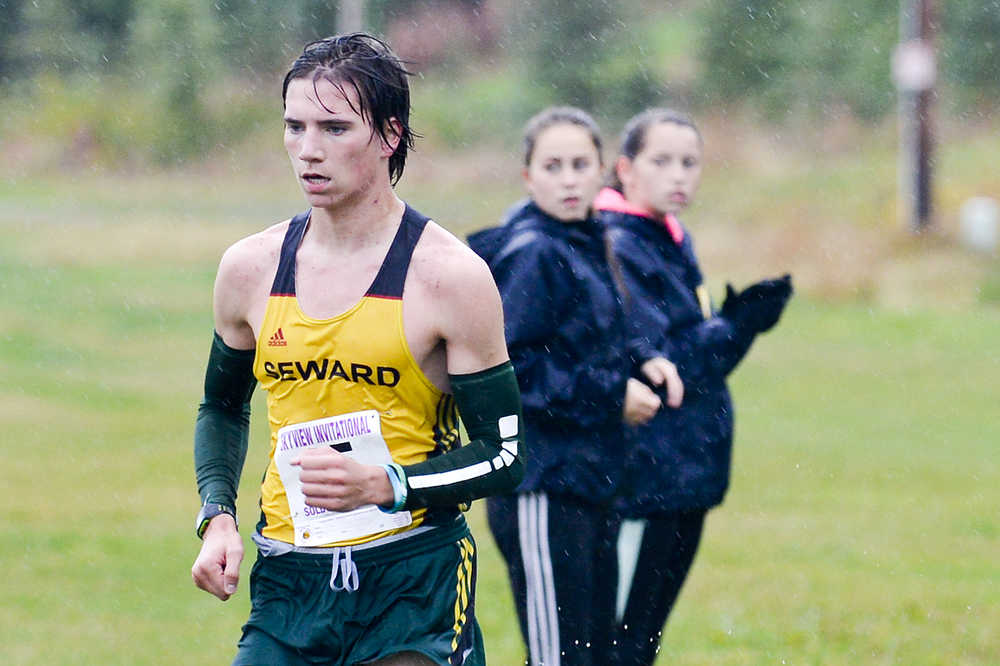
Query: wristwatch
[[208, 511]]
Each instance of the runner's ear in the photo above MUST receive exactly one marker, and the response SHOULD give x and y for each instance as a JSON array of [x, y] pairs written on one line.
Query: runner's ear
[[393, 133]]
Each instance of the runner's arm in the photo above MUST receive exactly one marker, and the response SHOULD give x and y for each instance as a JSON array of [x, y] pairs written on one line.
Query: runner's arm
[[485, 390], [223, 423], [492, 462], [222, 428]]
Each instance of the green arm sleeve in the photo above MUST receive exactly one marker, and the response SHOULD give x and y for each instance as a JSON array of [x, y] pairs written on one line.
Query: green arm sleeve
[[492, 463], [222, 429]]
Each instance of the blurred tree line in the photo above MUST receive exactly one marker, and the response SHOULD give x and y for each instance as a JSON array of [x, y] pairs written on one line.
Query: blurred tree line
[[169, 78], [786, 55]]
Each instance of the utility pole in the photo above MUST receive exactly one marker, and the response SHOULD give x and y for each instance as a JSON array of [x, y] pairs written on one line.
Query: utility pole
[[351, 17], [914, 70]]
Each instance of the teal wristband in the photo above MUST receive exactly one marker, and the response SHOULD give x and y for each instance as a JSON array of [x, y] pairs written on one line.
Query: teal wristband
[[397, 477]]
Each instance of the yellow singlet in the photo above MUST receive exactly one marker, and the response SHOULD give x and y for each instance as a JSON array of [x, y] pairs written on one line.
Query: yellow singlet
[[358, 360]]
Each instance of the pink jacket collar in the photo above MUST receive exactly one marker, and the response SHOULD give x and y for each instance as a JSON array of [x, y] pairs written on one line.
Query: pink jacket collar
[[612, 200]]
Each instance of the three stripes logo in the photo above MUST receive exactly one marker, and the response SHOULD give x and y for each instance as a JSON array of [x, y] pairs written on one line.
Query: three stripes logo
[[277, 340]]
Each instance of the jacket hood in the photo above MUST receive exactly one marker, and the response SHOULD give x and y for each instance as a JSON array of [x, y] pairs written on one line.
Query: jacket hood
[[524, 216], [612, 201], [488, 242]]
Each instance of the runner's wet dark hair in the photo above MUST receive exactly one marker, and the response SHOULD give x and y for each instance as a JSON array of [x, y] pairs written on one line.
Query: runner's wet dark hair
[[634, 134], [377, 75], [559, 115]]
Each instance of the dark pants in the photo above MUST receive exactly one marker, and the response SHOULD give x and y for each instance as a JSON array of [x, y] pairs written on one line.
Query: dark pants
[[669, 544], [562, 564]]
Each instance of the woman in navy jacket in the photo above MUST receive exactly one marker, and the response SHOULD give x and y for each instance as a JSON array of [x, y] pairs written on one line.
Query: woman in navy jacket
[[678, 467], [566, 335]]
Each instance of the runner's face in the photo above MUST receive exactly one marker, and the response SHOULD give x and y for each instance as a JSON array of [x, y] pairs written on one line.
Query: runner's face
[[334, 152], [664, 176], [564, 174]]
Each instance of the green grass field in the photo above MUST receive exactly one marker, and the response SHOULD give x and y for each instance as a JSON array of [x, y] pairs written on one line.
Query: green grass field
[[862, 526]]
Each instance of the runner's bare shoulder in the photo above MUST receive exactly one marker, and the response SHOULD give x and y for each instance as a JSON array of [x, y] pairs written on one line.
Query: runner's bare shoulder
[[243, 282], [448, 269], [252, 260]]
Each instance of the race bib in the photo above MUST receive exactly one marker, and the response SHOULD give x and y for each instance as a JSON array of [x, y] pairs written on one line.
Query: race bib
[[358, 435]]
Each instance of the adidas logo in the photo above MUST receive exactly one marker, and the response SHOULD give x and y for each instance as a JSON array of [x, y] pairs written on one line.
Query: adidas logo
[[277, 340]]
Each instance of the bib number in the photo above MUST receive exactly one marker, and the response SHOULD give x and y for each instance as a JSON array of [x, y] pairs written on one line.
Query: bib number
[[358, 435]]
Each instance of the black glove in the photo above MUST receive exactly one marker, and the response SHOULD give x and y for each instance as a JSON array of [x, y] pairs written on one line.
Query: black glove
[[758, 307]]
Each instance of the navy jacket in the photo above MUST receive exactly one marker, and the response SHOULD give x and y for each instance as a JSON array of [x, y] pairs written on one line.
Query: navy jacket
[[565, 333], [679, 460]]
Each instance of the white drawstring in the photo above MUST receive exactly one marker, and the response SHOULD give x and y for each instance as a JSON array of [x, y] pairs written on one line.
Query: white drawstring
[[344, 568]]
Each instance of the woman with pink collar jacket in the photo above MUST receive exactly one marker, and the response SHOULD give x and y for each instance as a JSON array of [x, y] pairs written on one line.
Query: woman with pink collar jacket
[[678, 464]]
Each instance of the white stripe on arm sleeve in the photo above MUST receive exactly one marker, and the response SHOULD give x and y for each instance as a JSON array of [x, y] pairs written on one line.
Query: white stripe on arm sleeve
[[492, 463]]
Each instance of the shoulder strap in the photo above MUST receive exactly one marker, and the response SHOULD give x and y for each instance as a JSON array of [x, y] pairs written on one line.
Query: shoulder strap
[[392, 276], [284, 280]]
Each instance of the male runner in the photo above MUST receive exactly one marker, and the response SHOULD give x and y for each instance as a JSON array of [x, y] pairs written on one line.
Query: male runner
[[368, 325]]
